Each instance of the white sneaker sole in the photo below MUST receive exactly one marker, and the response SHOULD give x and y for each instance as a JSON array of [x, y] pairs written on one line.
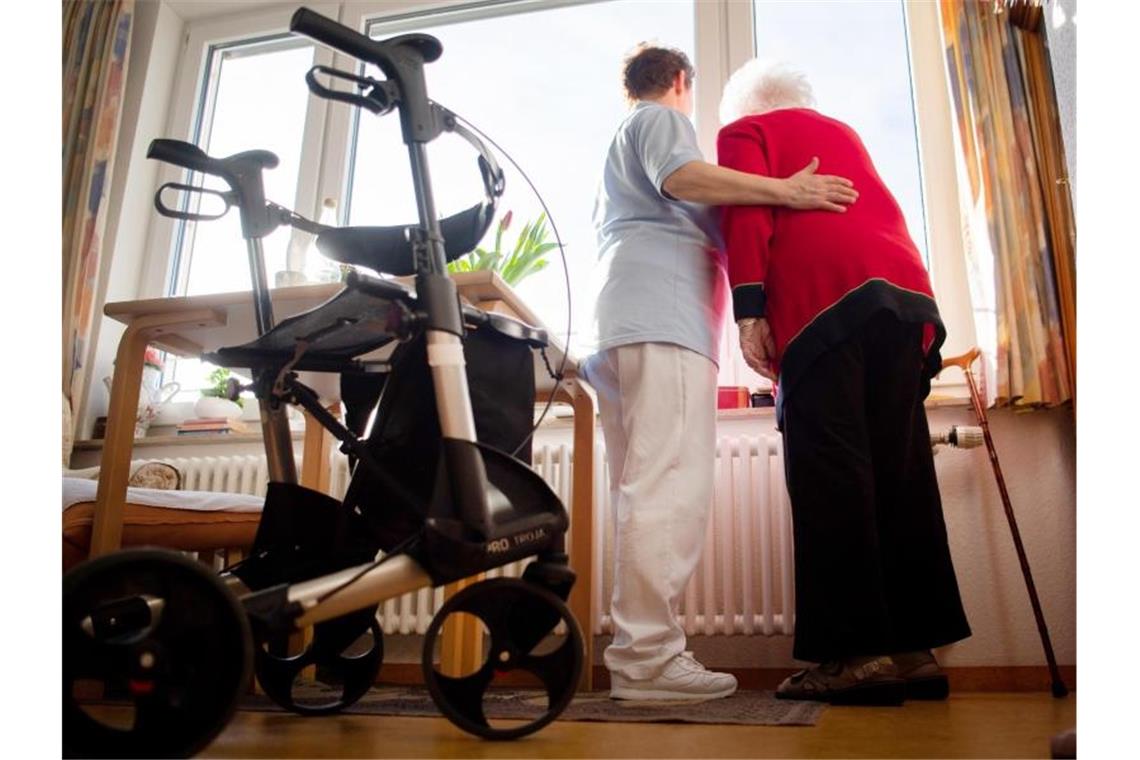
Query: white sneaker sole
[[663, 695]]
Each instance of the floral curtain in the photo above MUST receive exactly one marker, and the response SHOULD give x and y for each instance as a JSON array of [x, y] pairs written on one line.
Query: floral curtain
[[1017, 208], [96, 41]]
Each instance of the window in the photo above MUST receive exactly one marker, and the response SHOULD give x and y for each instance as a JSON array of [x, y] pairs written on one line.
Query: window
[[541, 77], [545, 85], [254, 96]]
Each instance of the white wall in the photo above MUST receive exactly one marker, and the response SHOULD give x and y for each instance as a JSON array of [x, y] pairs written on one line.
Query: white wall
[[156, 42], [1037, 451]]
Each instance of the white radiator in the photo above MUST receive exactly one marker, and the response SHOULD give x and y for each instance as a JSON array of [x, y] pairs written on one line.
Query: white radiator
[[232, 474], [742, 586]]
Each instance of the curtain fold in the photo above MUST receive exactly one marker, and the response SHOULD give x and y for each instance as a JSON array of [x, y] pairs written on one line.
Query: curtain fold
[[1017, 209], [96, 43]]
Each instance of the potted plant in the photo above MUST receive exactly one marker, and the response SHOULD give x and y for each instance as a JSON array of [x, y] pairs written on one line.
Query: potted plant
[[527, 257], [220, 399]]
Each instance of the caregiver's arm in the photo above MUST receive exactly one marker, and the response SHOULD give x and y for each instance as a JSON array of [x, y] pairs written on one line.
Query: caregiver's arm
[[702, 182]]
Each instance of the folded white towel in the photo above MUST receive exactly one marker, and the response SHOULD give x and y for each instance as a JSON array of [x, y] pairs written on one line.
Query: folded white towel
[[77, 490]]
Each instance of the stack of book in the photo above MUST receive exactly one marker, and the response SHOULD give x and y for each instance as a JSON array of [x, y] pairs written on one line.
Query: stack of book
[[211, 426]]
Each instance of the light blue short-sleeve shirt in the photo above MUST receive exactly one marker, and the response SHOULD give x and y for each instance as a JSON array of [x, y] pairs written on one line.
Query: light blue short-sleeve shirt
[[663, 272]]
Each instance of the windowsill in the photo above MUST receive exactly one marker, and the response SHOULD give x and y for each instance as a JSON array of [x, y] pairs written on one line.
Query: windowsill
[[554, 421], [96, 444], [934, 401]]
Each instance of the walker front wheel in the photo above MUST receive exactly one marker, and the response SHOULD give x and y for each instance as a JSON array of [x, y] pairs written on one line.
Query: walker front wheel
[[346, 654], [529, 638]]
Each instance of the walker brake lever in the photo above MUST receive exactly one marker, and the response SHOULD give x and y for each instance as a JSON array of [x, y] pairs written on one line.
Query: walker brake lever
[[380, 98]]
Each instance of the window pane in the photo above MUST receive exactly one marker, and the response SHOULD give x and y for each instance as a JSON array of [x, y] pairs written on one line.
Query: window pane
[[854, 54], [259, 102], [255, 98], [546, 86]]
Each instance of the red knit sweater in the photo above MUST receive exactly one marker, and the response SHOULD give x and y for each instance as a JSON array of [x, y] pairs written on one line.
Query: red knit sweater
[[818, 275]]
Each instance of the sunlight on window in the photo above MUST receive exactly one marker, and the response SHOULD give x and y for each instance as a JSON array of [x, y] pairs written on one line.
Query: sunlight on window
[[545, 85], [260, 103], [855, 56]]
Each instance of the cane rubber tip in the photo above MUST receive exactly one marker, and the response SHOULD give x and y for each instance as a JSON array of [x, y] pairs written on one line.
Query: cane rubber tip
[[1060, 691]]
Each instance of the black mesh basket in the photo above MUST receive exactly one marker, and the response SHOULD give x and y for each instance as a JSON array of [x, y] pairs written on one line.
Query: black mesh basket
[[405, 436]]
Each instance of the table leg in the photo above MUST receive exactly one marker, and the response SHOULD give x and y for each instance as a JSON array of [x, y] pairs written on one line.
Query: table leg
[[461, 639], [115, 466], [582, 520], [118, 443], [315, 474]]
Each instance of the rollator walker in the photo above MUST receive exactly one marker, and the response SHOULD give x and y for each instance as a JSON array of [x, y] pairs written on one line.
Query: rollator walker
[[435, 491]]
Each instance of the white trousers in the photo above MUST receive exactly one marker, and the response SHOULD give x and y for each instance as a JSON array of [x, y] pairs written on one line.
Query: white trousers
[[658, 409]]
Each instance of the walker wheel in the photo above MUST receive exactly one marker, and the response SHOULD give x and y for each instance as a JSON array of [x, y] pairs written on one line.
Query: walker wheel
[[156, 653], [522, 640], [346, 665]]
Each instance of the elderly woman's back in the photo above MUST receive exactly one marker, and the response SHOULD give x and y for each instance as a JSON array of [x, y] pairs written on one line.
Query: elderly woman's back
[[783, 137]]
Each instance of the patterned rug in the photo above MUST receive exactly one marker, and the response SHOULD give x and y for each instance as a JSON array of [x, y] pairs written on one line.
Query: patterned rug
[[749, 708]]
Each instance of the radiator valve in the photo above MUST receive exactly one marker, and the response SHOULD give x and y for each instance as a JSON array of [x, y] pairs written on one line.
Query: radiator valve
[[959, 436]]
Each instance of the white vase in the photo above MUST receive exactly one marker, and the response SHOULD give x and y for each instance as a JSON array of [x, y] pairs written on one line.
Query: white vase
[[211, 406]]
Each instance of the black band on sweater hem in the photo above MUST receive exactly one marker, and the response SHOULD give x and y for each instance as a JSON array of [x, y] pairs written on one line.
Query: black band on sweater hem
[[839, 320]]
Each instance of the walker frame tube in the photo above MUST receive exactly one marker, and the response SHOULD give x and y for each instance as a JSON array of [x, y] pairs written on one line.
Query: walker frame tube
[[274, 422]]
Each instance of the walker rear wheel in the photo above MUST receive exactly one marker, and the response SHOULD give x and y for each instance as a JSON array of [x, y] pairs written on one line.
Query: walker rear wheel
[[156, 652]]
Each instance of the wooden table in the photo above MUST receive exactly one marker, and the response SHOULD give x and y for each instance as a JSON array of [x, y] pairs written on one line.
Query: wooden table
[[193, 325]]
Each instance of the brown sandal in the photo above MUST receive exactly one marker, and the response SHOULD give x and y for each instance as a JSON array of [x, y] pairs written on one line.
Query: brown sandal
[[871, 681]]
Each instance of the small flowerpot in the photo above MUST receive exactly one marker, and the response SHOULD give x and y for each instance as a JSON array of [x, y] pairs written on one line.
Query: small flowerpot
[[213, 407]]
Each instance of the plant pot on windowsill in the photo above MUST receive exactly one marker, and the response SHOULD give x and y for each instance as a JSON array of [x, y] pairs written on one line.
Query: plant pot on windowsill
[[220, 400], [212, 407]]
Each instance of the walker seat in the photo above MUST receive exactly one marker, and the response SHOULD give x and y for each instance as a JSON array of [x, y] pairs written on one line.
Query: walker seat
[[367, 315]]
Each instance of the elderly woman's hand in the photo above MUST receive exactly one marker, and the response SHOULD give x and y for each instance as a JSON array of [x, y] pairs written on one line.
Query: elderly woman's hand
[[758, 346], [807, 190]]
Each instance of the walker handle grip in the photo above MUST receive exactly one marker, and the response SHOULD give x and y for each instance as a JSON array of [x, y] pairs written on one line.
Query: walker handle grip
[[337, 36]]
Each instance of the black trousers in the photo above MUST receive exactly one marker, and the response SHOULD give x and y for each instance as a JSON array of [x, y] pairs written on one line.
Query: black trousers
[[872, 563]]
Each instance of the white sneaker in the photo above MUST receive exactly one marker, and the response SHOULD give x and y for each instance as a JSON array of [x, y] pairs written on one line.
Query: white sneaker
[[682, 678]]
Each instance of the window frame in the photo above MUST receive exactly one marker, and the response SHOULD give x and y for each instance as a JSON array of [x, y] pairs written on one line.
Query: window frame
[[724, 40], [161, 275], [936, 155]]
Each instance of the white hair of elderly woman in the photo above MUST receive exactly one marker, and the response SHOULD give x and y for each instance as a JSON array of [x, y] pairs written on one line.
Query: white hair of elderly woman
[[760, 86]]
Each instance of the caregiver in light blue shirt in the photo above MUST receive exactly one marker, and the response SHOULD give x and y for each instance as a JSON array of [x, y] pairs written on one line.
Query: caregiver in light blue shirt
[[663, 271], [659, 316]]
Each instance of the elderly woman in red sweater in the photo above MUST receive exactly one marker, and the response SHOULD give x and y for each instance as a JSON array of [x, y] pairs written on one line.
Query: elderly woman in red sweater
[[838, 309]]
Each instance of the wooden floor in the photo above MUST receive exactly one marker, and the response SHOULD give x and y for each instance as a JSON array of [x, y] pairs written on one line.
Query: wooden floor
[[990, 725]]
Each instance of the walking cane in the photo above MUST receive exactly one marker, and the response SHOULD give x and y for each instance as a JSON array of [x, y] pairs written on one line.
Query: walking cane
[[964, 362]]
